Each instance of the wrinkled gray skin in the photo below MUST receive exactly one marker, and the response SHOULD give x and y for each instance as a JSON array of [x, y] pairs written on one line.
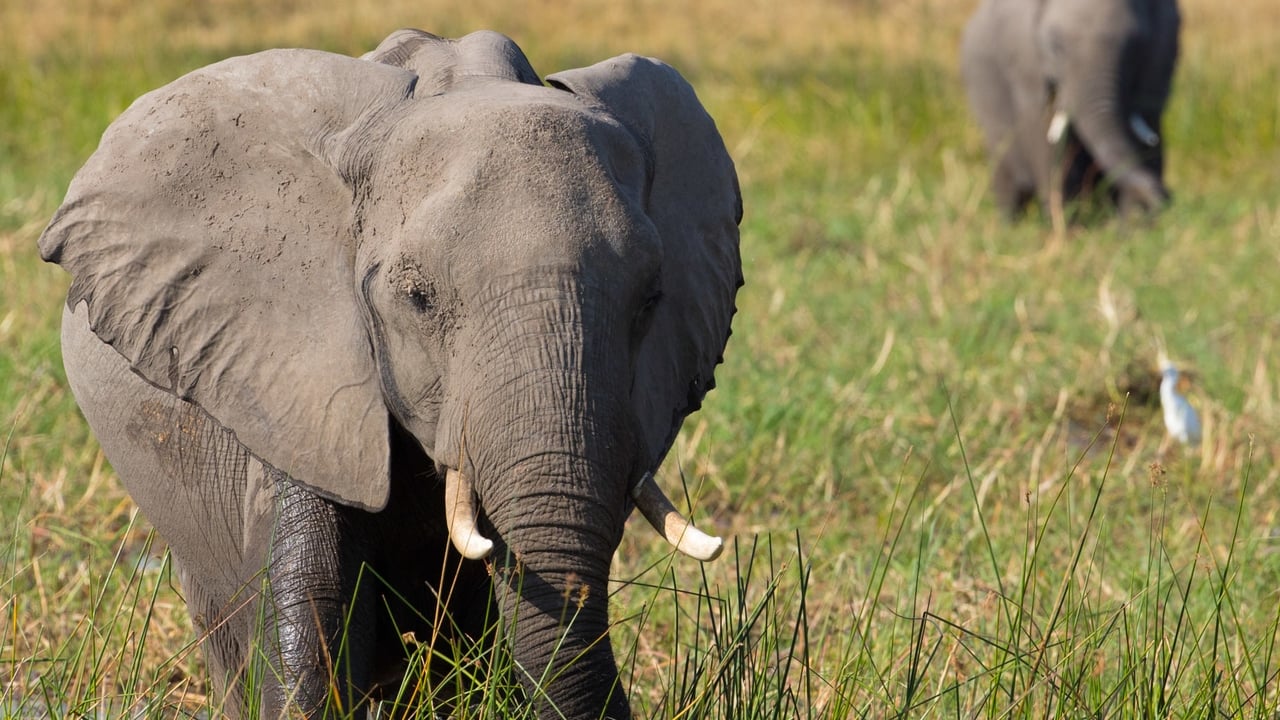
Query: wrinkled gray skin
[[1101, 63], [306, 285]]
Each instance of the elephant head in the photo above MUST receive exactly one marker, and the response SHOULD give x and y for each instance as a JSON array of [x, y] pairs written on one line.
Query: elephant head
[[535, 282], [1108, 67]]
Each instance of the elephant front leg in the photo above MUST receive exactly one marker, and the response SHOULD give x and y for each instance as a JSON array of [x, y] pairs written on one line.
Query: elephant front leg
[[1012, 185], [1016, 175], [316, 621]]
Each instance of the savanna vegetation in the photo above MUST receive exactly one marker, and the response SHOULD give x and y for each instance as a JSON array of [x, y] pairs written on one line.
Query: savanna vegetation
[[936, 438]]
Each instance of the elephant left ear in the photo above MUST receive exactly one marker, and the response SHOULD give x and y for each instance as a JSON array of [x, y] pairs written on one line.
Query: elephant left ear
[[695, 204], [212, 237]]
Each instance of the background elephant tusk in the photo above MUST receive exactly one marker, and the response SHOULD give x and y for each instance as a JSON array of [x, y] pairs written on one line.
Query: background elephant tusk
[[670, 524], [1143, 131], [460, 514], [1057, 127]]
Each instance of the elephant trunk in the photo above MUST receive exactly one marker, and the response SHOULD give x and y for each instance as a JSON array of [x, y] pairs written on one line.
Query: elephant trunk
[[1100, 119], [543, 429], [555, 549], [557, 514]]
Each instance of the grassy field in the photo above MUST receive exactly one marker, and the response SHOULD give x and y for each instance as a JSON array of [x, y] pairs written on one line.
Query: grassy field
[[936, 437]]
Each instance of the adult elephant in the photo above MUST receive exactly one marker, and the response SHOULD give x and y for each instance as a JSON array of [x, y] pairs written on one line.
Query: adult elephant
[[1070, 93], [328, 313]]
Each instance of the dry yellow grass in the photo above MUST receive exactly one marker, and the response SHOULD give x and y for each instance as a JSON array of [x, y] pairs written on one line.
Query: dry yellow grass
[[722, 33], [728, 34]]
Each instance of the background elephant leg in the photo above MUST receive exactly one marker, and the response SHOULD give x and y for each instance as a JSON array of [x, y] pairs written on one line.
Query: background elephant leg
[[1013, 180], [1012, 185], [1081, 176], [316, 612]]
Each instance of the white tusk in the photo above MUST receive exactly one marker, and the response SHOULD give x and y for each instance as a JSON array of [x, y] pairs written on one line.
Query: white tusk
[[1057, 127], [670, 524], [1143, 131], [460, 514]]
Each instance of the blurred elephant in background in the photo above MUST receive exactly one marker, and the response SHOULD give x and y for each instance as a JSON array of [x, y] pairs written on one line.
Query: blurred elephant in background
[[394, 344], [1070, 94]]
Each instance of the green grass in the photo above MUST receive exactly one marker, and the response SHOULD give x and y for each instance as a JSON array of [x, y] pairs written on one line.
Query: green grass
[[935, 439]]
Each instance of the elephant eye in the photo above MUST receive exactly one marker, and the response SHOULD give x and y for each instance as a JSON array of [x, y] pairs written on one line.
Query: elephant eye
[[651, 302], [419, 300], [419, 292], [645, 314]]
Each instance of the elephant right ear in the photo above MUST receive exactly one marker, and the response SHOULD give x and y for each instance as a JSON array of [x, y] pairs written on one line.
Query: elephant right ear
[[695, 204], [211, 237]]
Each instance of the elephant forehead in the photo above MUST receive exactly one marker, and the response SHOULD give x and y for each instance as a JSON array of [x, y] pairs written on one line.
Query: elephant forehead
[[522, 179], [510, 128]]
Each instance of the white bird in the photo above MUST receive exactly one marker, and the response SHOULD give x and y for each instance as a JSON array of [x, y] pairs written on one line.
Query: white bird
[[1179, 417]]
